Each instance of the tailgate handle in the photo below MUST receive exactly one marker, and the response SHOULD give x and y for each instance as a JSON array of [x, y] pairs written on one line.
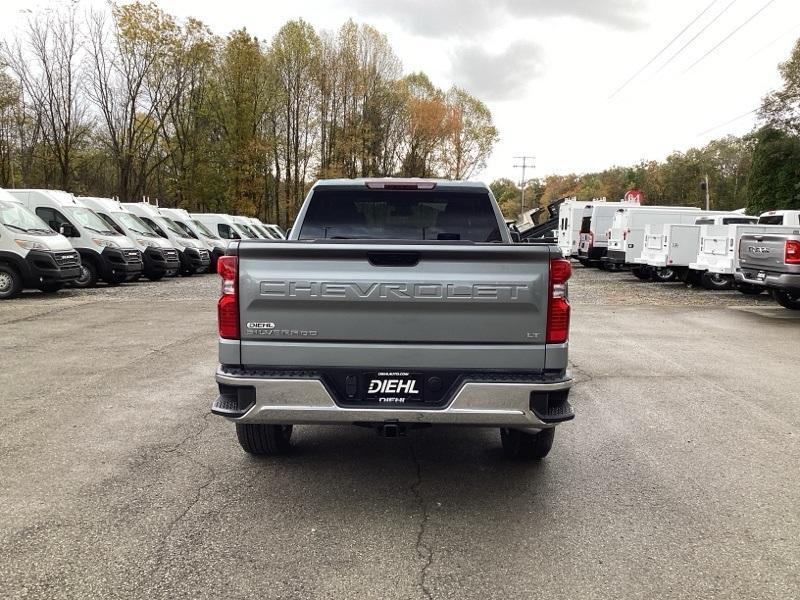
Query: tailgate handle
[[393, 259]]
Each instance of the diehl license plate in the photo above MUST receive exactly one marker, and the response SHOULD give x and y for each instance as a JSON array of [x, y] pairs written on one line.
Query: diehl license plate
[[393, 387]]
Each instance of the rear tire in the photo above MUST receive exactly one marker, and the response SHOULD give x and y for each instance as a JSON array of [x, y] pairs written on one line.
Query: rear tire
[[790, 300], [642, 273], [664, 275], [749, 289], [264, 440], [716, 281], [10, 282], [527, 446]]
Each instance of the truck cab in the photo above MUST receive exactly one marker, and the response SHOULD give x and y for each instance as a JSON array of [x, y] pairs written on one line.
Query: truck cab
[[160, 258], [105, 253], [788, 218], [198, 231], [32, 255], [193, 256]]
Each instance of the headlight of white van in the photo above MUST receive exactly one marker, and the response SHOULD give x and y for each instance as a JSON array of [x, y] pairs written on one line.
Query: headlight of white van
[[32, 245], [147, 243], [105, 243]]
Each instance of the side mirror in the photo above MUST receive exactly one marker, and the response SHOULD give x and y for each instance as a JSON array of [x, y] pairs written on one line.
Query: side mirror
[[67, 230]]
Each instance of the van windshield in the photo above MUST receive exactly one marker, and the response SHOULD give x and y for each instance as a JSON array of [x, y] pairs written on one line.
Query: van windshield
[[203, 229], [185, 228], [89, 220], [173, 227], [21, 219], [135, 224], [401, 215]]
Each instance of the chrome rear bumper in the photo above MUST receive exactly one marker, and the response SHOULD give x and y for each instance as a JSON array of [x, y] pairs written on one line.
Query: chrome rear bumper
[[307, 401]]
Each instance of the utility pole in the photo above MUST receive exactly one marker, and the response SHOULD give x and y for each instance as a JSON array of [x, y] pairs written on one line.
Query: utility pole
[[524, 165]]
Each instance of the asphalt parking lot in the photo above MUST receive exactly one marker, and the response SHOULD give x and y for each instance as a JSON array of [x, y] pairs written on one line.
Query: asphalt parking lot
[[678, 478]]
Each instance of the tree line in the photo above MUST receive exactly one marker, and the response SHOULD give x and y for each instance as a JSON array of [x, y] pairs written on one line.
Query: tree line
[[133, 102], [759, 171]]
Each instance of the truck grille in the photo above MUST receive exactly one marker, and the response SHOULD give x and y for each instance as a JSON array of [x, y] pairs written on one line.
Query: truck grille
[[171, 254], [132, 256], [203, 254], [66, 259]]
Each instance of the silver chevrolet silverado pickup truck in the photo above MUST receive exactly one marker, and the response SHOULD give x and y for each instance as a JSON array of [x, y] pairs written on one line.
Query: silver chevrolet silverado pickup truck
[[772, 261], [394, 304]]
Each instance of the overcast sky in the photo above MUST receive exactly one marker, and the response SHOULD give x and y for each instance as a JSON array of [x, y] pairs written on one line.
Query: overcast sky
[[548, 68]]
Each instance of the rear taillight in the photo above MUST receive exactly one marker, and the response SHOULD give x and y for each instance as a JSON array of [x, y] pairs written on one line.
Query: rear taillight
[[791, 252], [558, 309], [228, 305]]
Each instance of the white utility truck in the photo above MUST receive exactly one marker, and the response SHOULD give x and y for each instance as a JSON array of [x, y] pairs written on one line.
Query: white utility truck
[[570, 214], [626, 237], [105, 253], [789, 218], [670, 248]]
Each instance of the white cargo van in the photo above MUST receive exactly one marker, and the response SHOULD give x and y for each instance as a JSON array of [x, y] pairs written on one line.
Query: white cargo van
[[570, 214], [32, 255], [105, 253], [595, 223], [245, 225], [198, 231], [259, 227], [193, 256], [279, 233], [626, 237], [789, 218], [159, 256], [669, 248], [222, 225]]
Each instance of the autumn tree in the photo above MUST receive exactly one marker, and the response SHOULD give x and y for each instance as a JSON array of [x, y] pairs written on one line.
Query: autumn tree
[[48, 66], [469, 135]]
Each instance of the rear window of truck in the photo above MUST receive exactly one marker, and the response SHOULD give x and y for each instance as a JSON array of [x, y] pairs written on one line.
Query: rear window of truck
[[400, 215], [773, 220]]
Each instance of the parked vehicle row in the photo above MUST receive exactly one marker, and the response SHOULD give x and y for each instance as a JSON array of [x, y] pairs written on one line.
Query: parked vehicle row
[[715, 249], [50, 238]]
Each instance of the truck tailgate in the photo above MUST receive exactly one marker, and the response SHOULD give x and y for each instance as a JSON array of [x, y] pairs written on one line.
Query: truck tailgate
[[340, 297]]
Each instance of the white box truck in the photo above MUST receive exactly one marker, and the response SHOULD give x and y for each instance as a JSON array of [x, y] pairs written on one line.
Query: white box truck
[[105, 253], [32, 255]]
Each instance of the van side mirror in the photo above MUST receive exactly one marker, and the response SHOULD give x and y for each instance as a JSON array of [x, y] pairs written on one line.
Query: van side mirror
[[67, 230]]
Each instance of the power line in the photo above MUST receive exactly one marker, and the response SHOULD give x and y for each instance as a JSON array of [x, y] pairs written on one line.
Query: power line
[[774, 41], [660, 52], [697, 35], [730, 35], [742, 116]]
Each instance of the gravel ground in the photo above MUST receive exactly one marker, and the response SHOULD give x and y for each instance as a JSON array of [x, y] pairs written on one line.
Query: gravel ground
[[593, 286], [677, 479]]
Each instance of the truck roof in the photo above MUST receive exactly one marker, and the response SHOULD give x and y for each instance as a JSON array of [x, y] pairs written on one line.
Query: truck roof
[[420, 183]]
